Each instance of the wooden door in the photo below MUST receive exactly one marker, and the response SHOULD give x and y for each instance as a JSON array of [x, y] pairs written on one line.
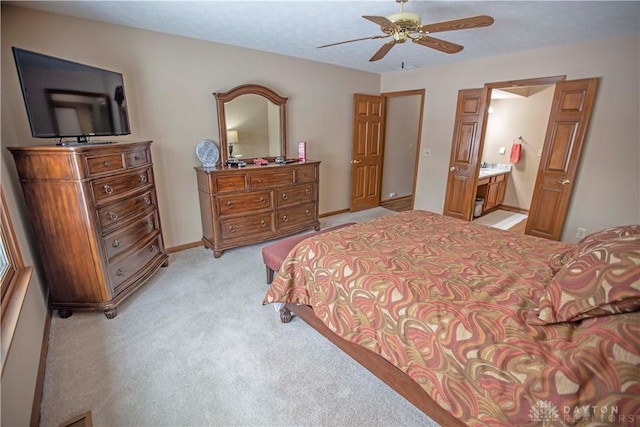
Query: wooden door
[[367, 151], [463, 163], [570, 112]]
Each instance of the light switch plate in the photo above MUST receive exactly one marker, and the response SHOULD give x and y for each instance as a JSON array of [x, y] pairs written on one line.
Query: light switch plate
[[502, 150]]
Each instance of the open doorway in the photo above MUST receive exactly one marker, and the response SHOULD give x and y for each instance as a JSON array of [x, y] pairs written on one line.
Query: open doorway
[[514, 139], [385, 160], [571, 109], [402, 138]]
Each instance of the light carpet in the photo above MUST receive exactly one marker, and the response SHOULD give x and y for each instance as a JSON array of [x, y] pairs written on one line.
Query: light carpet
[[503, 220], [195, 346]]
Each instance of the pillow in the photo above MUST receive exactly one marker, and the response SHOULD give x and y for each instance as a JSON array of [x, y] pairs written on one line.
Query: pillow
[[602, 277], [557, 261]]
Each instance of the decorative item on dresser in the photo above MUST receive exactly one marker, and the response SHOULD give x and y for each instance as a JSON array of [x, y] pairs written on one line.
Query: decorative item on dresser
[[242, 206], [94, 212]]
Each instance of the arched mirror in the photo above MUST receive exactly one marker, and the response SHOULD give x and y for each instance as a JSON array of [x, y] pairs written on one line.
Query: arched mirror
[[252, 121]]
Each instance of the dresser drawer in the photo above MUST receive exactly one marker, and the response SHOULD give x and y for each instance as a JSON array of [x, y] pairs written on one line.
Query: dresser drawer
[[271, 179], [295, 216], [230, 183], [114, 187], [244, 202], [252, 225], [306, 174], [104, 164], [134, 159], [126, 271], [113, 215], [124, 239], [294, 194]]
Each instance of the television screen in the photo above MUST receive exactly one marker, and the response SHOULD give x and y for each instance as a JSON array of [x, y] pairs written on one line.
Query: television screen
[[65, 99]]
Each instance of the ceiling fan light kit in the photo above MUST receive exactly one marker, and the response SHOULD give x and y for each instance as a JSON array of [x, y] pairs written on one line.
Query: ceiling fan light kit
[[407, 20], [407, 25]]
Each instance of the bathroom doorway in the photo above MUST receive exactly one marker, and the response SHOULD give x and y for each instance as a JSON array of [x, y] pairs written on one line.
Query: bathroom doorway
[[564, 135], [514, 138]]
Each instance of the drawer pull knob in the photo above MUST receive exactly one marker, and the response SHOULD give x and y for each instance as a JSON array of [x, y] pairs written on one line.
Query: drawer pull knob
[[108, 189], [285, 218], [262, 200], [136, 158], [231, 229], [229, 204], [259, 181], [147, 201], [284, 196], [307, 212], [149, 223], [112, 216], [107, 164], [121, 272], [263, 223], [153, 248], [143, 179], [307, 191], [116, 243], [232, 184]]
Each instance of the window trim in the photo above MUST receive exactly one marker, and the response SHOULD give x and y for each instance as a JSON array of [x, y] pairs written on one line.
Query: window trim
[[14, 281]]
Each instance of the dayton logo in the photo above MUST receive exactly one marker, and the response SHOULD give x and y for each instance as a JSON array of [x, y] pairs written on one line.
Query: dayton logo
[[544, 411]]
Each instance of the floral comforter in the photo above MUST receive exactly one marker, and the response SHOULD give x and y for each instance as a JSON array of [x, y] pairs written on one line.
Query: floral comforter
[[446, 301]]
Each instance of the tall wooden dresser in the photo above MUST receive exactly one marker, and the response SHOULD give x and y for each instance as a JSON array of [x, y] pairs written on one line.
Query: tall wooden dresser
[[94, 212], [242, 206]]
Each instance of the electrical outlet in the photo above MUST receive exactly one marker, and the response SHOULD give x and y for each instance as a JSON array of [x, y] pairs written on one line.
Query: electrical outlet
[[426, 152], [392, 194], [581, 232]]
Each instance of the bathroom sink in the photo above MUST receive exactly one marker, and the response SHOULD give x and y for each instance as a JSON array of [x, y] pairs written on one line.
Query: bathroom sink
[[490, 172]]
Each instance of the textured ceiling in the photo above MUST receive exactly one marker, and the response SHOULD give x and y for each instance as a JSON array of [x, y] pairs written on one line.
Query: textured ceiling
[[297, 27]]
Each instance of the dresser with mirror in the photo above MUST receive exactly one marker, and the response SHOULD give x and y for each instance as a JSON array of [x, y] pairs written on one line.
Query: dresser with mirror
[[246, 205]]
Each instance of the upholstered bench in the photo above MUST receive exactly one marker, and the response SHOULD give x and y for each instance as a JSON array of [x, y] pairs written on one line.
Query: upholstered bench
[[274, 254]]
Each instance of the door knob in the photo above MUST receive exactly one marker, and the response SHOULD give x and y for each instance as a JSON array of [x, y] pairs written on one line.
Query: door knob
[[453, 168], [563, 181], [355, 162]]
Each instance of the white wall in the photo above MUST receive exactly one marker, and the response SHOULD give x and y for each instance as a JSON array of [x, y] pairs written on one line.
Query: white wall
[[607, 191]]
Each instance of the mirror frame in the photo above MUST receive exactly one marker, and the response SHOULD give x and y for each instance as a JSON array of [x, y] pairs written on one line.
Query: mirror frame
[[253, 89]]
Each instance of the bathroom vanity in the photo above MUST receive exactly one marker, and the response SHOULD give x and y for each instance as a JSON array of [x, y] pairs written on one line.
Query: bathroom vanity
[[492, 185]]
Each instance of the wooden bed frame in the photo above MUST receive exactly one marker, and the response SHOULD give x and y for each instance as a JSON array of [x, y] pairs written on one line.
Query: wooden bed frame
[[380, 367]]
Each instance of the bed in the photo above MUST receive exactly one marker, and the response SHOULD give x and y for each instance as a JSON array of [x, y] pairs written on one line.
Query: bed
[[476, 325]]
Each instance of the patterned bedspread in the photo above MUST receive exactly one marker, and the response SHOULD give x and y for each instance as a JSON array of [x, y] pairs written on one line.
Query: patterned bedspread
[[446, 301]]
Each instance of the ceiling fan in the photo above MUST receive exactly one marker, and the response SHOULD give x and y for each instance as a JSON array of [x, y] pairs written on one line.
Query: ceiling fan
[[406, 25]]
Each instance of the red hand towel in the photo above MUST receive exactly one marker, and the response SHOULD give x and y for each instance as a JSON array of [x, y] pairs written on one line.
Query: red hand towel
[[515, 152]]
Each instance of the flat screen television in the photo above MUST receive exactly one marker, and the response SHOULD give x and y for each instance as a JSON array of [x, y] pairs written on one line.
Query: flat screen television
[[65, 99]]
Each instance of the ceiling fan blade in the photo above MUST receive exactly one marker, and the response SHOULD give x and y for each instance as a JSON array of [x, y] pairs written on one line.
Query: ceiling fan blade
[[382, 21], [382, 51], [441, 45], [457, 24], [355, 40]]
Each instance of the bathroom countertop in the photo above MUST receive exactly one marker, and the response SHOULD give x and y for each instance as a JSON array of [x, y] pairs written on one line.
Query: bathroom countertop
[[494, 169], [486, 172]]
